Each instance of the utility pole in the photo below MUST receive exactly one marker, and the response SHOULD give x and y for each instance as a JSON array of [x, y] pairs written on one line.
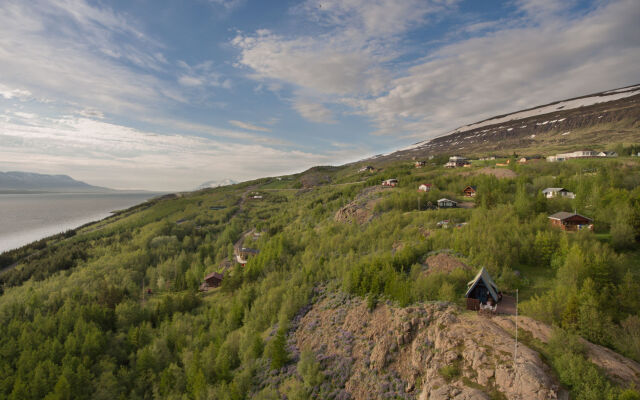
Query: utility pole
[[515, 353]]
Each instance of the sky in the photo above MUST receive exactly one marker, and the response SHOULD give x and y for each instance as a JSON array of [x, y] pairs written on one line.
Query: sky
[[165, 95]]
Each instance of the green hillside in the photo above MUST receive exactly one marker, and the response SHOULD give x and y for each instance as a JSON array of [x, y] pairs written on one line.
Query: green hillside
[[112, 310]]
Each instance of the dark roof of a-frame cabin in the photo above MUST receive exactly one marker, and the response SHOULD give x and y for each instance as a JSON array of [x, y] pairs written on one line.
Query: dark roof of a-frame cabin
[[563, 216], [213, 275], [483, 276]]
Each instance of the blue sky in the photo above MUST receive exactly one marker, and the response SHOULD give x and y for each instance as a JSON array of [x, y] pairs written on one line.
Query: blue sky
[[164, 95]]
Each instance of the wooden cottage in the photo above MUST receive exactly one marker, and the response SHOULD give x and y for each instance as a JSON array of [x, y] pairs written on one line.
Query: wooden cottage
[[481, 290], [469, 191], [425, 187], [446, 203], [456, 161], [213, 280], [571, 221], [390, 183], [244, 253]]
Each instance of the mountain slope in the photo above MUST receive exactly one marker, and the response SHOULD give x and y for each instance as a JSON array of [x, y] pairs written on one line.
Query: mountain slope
[[598, 120], [30, 181]]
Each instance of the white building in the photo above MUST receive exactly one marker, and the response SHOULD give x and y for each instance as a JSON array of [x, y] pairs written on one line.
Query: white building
[[575, 154], [555, 192], [456, 161]]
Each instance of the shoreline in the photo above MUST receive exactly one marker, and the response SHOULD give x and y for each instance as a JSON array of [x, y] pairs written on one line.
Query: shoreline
[[45, 225]]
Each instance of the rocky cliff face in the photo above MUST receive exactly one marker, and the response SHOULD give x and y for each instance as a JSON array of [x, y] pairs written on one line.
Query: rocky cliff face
[[428, 351]]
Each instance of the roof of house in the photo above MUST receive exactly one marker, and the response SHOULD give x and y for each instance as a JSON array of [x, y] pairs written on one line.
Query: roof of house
[[214, 275], [553, 190], [562, 215], [426, 184], [248, 250], [472, 187], [488, 282]]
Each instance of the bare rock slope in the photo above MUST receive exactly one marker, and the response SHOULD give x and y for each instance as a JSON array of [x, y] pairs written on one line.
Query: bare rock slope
[[360, 210], [428, 351]]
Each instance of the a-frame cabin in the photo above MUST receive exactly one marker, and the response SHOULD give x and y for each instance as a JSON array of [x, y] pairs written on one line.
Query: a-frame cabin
[[480, 290]]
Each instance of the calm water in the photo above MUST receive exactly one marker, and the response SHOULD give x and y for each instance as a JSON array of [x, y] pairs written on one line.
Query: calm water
[[25, 218]]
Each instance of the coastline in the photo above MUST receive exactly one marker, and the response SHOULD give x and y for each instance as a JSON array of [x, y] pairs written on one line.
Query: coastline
[[26, 219]]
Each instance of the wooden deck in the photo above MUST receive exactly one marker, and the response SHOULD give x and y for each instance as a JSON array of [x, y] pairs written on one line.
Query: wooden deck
[[507, 306]]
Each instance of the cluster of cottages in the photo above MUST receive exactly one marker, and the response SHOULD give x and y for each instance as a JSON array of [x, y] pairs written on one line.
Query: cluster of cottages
[[459, 161], [581, 154], [564, 220]]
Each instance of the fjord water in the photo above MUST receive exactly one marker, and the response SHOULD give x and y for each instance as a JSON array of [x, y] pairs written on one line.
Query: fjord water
[[25, 218]]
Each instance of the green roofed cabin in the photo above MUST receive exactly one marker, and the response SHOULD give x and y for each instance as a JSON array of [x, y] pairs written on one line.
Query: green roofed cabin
[[481, 290]]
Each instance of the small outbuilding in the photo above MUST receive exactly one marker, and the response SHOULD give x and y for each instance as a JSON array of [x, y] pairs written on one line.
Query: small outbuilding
[[481, 290], [469, 191], [213, 280], [367, 168], [419, 164], [425, 187], [446, 203], [555, 192], [390, 182], [571, 221]]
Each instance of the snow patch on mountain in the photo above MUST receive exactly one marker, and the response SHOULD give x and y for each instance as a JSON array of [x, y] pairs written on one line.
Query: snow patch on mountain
[[215, 184]]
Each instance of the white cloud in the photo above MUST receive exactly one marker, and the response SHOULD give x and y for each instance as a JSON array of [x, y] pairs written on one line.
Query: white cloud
[[308, 63], [314, 112], [122, 157], [187, 80], [374, 18], [248, 126], [511, 69], [9, 93], [91, 113], [227, 4], [71, 52], [547, 53], [202, 74], [347, 59]]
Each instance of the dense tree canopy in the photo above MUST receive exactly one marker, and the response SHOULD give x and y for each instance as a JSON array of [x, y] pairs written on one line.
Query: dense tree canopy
[[113, 310]]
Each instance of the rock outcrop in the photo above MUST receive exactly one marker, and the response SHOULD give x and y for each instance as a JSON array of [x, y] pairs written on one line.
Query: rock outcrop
[[360, 210], [429, 351]]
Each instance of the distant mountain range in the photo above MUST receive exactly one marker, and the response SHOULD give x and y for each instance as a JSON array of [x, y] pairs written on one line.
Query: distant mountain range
[[215, 184], [18, 181]]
